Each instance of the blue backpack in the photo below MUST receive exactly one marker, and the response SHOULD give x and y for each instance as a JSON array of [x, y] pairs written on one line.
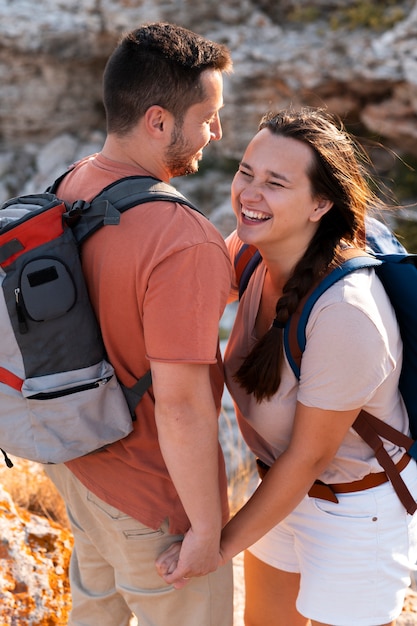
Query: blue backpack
[[398, 274]]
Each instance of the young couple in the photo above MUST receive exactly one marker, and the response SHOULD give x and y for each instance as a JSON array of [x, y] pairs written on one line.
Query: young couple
[[159, 284]]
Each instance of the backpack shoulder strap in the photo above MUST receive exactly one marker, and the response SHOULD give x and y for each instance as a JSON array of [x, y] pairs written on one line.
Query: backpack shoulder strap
[[246, 261], [53, 188], [106, 207], [295, 329], [368, 427], [85, 218], [133, 190], [379, 239]]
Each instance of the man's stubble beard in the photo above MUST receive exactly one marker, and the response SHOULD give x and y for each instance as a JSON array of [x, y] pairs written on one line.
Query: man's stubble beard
[[177, 157]]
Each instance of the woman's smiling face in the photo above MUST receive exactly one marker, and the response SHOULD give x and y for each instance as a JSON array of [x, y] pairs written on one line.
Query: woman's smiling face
[[271, 192]]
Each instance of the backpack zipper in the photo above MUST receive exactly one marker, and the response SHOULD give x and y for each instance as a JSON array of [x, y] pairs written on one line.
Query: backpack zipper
[[23, 326], [50, 395]]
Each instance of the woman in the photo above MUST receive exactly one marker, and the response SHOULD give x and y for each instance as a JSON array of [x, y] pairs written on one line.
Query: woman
[[300, 197]]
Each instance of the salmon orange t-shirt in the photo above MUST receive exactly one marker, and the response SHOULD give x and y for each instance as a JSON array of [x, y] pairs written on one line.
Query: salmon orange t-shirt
[[159, 282]]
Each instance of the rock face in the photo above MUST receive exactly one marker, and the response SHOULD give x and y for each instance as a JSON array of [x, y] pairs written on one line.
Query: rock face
[[34, 558], [357, 58]]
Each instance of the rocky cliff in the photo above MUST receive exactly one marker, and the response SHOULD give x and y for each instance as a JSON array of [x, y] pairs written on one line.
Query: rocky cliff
[[357, 58], [34, 560]]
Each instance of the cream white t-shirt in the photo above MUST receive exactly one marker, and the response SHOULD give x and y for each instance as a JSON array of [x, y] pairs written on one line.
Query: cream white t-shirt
[[352, 359]]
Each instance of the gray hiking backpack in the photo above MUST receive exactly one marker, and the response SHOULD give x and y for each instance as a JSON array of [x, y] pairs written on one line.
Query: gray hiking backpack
[[59, 396]]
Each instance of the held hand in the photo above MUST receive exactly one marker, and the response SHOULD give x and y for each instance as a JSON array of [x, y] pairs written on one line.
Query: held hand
[[167, 562], [195, 556]]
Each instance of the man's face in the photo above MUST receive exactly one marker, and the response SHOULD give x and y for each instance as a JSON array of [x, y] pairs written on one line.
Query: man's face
[[200, 125]]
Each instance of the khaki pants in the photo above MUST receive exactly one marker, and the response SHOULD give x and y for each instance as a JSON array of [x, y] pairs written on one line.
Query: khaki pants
[[112, 571]]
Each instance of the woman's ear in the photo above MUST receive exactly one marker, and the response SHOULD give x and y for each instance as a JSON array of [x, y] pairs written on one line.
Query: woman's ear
[[323, 205]]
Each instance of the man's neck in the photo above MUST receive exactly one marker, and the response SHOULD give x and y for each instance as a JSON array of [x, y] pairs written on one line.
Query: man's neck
[[134, 153]]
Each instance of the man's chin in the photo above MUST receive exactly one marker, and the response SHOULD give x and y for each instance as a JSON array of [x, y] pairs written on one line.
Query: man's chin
[[191, 168]]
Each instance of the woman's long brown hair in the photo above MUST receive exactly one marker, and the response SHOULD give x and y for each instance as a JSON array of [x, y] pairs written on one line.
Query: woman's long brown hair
[[338, 174]]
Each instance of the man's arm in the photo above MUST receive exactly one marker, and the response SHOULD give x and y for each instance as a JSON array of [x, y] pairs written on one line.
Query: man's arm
[[187, 424]]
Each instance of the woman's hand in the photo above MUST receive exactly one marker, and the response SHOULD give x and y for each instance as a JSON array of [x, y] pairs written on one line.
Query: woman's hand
[[194, 556]]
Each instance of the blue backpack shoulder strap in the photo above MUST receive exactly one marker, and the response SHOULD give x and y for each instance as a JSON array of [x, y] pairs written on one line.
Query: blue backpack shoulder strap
[[398, 274], [379, 239], [295, 329]]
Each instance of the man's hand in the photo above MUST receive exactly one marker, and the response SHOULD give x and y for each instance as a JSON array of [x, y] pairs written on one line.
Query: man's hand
[[167, 562]]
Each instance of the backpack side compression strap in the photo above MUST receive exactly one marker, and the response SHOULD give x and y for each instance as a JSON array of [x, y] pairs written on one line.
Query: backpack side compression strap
[[135, 393], [10, 379]]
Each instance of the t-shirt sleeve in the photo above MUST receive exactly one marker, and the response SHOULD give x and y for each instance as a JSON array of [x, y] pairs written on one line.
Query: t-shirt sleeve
[[347, 357], [185, 298]]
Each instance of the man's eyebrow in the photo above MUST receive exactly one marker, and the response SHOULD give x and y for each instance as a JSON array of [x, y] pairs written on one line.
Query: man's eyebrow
[[269, 172], [213, 110]]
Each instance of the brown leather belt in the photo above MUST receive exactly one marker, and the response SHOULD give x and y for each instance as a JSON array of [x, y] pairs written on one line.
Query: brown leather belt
[[328, 492]]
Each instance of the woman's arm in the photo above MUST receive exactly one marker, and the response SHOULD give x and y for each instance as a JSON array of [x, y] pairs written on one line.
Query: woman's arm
[[316, 437]]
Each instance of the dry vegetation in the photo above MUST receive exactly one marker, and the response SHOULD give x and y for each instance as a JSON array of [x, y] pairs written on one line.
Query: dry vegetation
[[32, 490]]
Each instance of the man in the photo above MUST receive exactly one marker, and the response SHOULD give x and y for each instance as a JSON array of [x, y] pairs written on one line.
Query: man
[[159, 283]]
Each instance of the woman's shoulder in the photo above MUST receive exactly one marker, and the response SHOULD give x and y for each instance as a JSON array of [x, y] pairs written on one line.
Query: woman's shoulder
[[358, 298]]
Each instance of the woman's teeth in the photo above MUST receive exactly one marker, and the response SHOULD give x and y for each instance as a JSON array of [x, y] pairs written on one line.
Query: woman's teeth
[[255, 215]]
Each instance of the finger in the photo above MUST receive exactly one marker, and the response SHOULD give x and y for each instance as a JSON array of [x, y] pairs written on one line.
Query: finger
[[165, 567], [181, 582], [169, 554], [172, 567]]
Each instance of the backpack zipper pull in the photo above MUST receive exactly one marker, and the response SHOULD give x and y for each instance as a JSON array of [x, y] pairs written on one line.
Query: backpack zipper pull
[[7, 460], [23, 327]]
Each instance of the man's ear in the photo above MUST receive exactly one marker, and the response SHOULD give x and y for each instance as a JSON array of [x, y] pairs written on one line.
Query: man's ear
[[323, 205], [155, 120]]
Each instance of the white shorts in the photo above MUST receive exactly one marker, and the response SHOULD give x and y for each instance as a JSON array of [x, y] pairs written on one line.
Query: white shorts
[[354, 557]]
